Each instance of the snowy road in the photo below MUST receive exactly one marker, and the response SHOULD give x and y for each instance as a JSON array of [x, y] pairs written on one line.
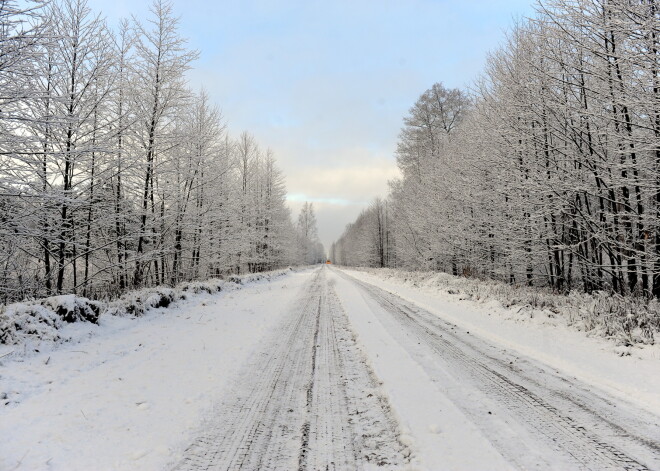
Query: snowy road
[[536, 418], [310, 402], [307, 402], [317, 369]]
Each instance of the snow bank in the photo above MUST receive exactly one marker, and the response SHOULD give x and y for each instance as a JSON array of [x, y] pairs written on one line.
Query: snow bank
[[626, 320], [41, 321], [44, 318]]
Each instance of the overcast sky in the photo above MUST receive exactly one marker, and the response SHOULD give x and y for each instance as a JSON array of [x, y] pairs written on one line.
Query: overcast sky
[[326, 84]]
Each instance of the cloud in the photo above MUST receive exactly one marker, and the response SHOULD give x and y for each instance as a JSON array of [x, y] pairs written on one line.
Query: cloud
[[327, 84], [338, 194], [357, 184]]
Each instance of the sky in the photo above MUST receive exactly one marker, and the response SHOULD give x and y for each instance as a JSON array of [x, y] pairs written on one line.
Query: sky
[[326, 84]]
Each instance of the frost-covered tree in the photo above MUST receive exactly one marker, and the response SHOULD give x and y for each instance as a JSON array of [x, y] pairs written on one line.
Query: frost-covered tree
[[369, 240], [113, 173], [548, 174], [310, 249], [162, 60]]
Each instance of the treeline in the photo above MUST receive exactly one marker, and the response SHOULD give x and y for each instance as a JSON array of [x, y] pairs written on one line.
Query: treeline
[[113, 173], [547, 173]]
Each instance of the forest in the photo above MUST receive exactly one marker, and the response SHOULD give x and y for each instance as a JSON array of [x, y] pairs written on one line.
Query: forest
[[545, 172], [114, 173]]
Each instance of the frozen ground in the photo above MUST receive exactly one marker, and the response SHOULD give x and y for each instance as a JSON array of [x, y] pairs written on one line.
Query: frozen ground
[[331, 369]]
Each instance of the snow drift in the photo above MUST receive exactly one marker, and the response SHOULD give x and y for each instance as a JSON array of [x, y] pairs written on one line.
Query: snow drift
[[42, 320], [625, 319]]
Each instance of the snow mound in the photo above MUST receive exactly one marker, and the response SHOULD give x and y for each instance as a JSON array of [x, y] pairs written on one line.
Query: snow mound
[[72, 308], [44, 318], [22, 320], [213, 285], [137, 303]]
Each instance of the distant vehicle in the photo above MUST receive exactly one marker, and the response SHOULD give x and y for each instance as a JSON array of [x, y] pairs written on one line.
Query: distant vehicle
[[328, 262]]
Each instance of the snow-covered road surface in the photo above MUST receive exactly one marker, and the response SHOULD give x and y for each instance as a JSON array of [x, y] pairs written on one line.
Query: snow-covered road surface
[[133, 395], [320, 369], [535, 417], [307, 401]]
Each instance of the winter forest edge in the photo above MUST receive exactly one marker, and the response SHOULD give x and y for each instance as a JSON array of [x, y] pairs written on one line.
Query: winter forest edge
[[546, 174], [114, 175]]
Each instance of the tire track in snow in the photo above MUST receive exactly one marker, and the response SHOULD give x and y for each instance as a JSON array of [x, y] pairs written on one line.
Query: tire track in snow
[[587, 429], [308, 401]]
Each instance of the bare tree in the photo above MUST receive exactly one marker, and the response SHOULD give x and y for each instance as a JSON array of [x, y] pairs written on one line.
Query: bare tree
[[162, 62]]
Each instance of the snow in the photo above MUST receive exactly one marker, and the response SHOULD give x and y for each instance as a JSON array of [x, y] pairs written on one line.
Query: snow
[[28, 319], [628, 372], [40, 321], [38, 325], [132, 392], [439, 434]]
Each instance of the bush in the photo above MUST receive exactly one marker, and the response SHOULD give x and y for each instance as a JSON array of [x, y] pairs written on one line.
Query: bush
[[136, 303], [20, 321], [213, 285], [42, 319], [71, 308]]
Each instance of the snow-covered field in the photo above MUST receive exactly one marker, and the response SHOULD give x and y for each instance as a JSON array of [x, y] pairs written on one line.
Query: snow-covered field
[[131, 393]]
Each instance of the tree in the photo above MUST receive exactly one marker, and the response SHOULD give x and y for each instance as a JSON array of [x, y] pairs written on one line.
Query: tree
[[548, 175], [310, 249], [162, 61], [113, 173]]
